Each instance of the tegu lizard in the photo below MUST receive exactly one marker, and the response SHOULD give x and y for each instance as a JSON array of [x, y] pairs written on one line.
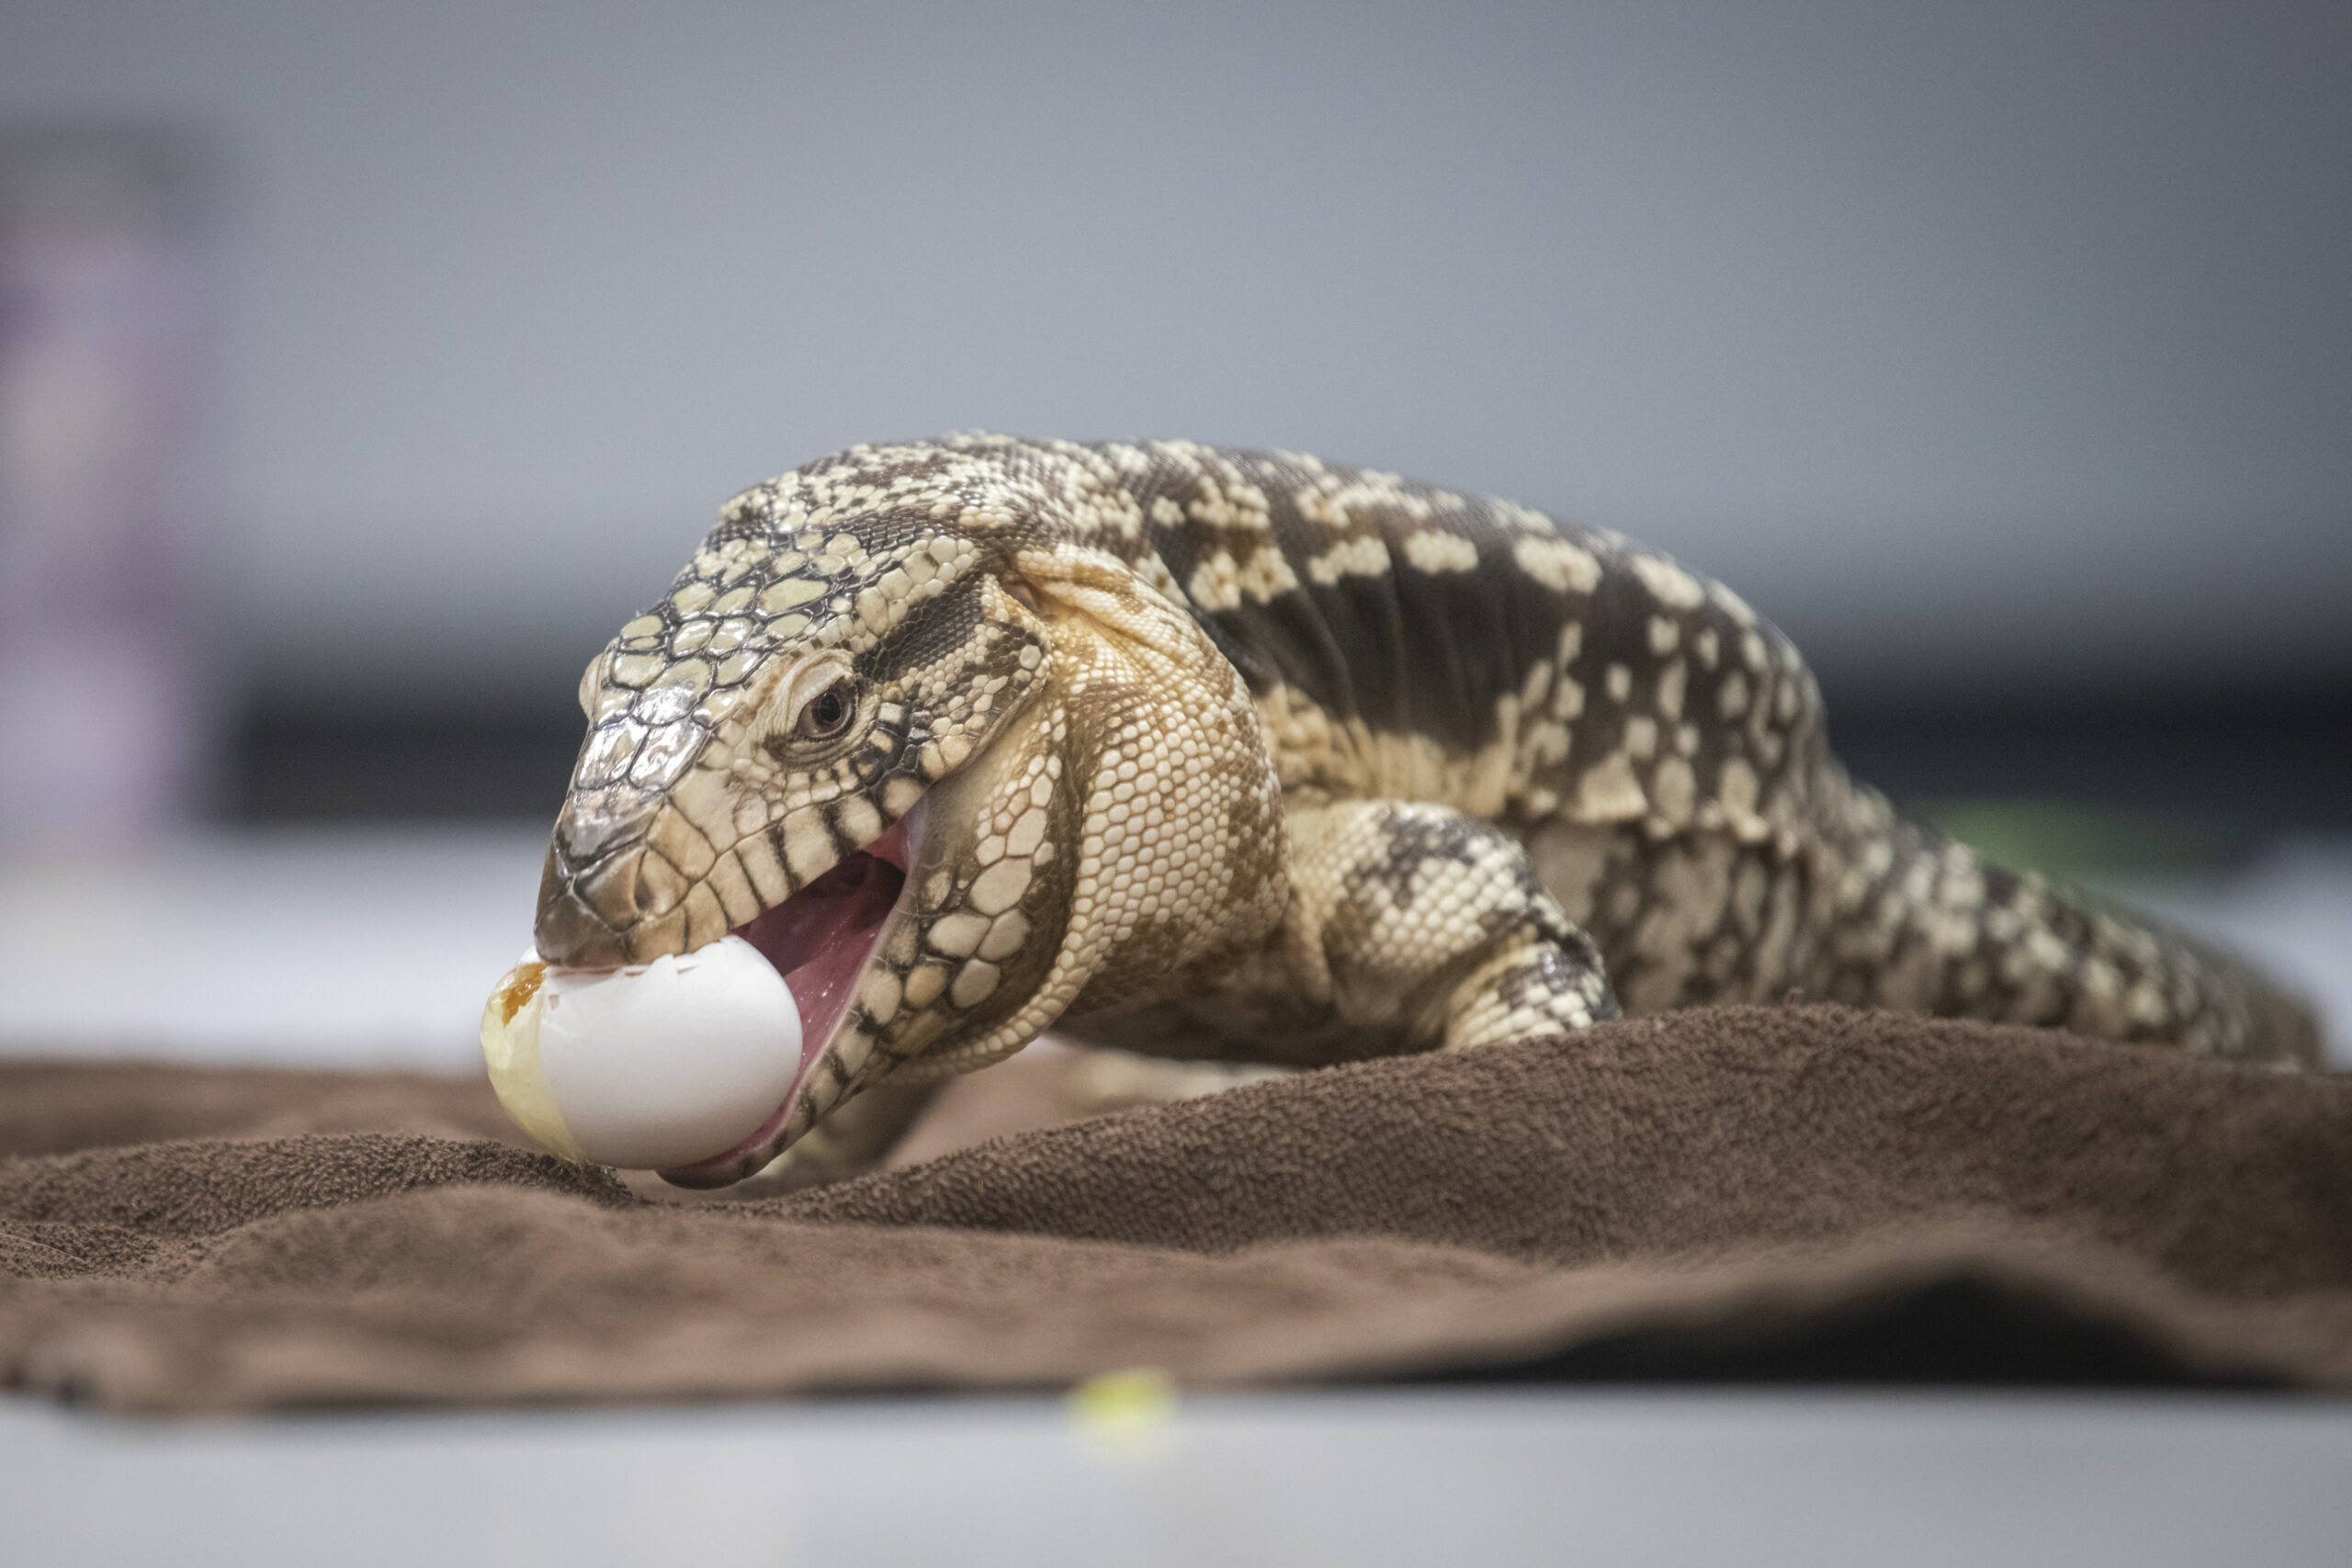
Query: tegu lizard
[[1244, 755]]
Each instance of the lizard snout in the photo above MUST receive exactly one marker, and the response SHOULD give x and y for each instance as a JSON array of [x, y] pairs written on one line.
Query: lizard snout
[[594, 895]]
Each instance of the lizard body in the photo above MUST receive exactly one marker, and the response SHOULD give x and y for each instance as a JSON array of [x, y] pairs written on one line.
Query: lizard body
[[1245, 755]]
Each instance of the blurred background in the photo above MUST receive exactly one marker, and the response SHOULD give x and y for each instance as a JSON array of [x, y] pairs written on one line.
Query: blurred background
[[362, 368]]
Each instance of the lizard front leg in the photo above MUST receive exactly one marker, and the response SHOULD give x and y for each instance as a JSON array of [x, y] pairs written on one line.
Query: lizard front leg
[[1409, 928]]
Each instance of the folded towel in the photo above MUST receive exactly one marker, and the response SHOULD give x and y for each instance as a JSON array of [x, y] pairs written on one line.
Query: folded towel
[[1802, 1193]]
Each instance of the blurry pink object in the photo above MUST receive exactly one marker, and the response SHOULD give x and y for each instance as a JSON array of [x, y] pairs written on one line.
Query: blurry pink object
[[104, 717]]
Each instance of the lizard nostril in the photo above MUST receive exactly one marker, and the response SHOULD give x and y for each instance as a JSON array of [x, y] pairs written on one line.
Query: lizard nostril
[[659, 884], [567, 931], [600, 880], [593, 826], [610, 888]]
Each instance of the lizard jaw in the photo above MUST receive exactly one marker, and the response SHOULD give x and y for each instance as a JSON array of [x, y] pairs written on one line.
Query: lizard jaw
[[821, 939]]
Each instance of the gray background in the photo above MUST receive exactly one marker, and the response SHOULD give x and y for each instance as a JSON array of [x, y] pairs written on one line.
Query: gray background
[[1994, 347]]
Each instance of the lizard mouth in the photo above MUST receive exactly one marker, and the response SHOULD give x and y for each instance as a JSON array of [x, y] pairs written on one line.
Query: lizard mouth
[[821, 939]]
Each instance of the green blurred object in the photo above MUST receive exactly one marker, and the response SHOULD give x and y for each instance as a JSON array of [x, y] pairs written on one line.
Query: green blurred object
[[2071, 842]]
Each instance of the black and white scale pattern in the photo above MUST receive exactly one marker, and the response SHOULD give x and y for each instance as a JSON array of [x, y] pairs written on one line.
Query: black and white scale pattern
[[1260, 756]]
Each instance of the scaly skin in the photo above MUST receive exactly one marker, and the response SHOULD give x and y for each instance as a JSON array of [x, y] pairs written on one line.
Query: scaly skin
[[1236, 754]]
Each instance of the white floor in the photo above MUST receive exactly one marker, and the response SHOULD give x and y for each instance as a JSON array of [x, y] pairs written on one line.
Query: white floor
[[293, 946], [376, 947], [1356, 1480]]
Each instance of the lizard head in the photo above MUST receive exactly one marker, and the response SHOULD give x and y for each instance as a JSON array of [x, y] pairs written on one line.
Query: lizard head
[[876, 728]]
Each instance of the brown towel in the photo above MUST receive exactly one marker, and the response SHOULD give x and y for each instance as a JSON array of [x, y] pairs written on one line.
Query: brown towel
[[1800, 1192]]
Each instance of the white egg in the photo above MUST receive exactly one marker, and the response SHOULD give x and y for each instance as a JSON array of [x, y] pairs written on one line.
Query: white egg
[[646, 1068]]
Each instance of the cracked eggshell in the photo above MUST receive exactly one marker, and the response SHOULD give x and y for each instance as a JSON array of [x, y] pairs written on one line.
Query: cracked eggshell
[[648, 1068]]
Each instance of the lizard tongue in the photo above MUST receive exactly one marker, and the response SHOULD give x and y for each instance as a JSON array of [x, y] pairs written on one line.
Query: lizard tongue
[[820, 938]]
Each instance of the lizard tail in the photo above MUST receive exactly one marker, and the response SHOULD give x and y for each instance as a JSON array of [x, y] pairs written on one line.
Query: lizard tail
[[1908, 918]]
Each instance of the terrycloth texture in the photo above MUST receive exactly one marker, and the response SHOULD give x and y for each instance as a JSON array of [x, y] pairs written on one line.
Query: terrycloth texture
[[1722, 1193]]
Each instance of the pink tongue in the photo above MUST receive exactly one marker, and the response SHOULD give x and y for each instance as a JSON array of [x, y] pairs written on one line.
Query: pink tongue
[[820, 938]]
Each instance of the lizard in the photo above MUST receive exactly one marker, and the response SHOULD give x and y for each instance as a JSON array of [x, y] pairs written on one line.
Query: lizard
[[1243, 756]]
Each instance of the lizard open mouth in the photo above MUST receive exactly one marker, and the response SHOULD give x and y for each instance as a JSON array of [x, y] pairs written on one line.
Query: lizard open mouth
[[821, 939]]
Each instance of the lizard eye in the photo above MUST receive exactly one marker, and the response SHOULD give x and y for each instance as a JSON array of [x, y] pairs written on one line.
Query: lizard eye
[[828, 713]]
